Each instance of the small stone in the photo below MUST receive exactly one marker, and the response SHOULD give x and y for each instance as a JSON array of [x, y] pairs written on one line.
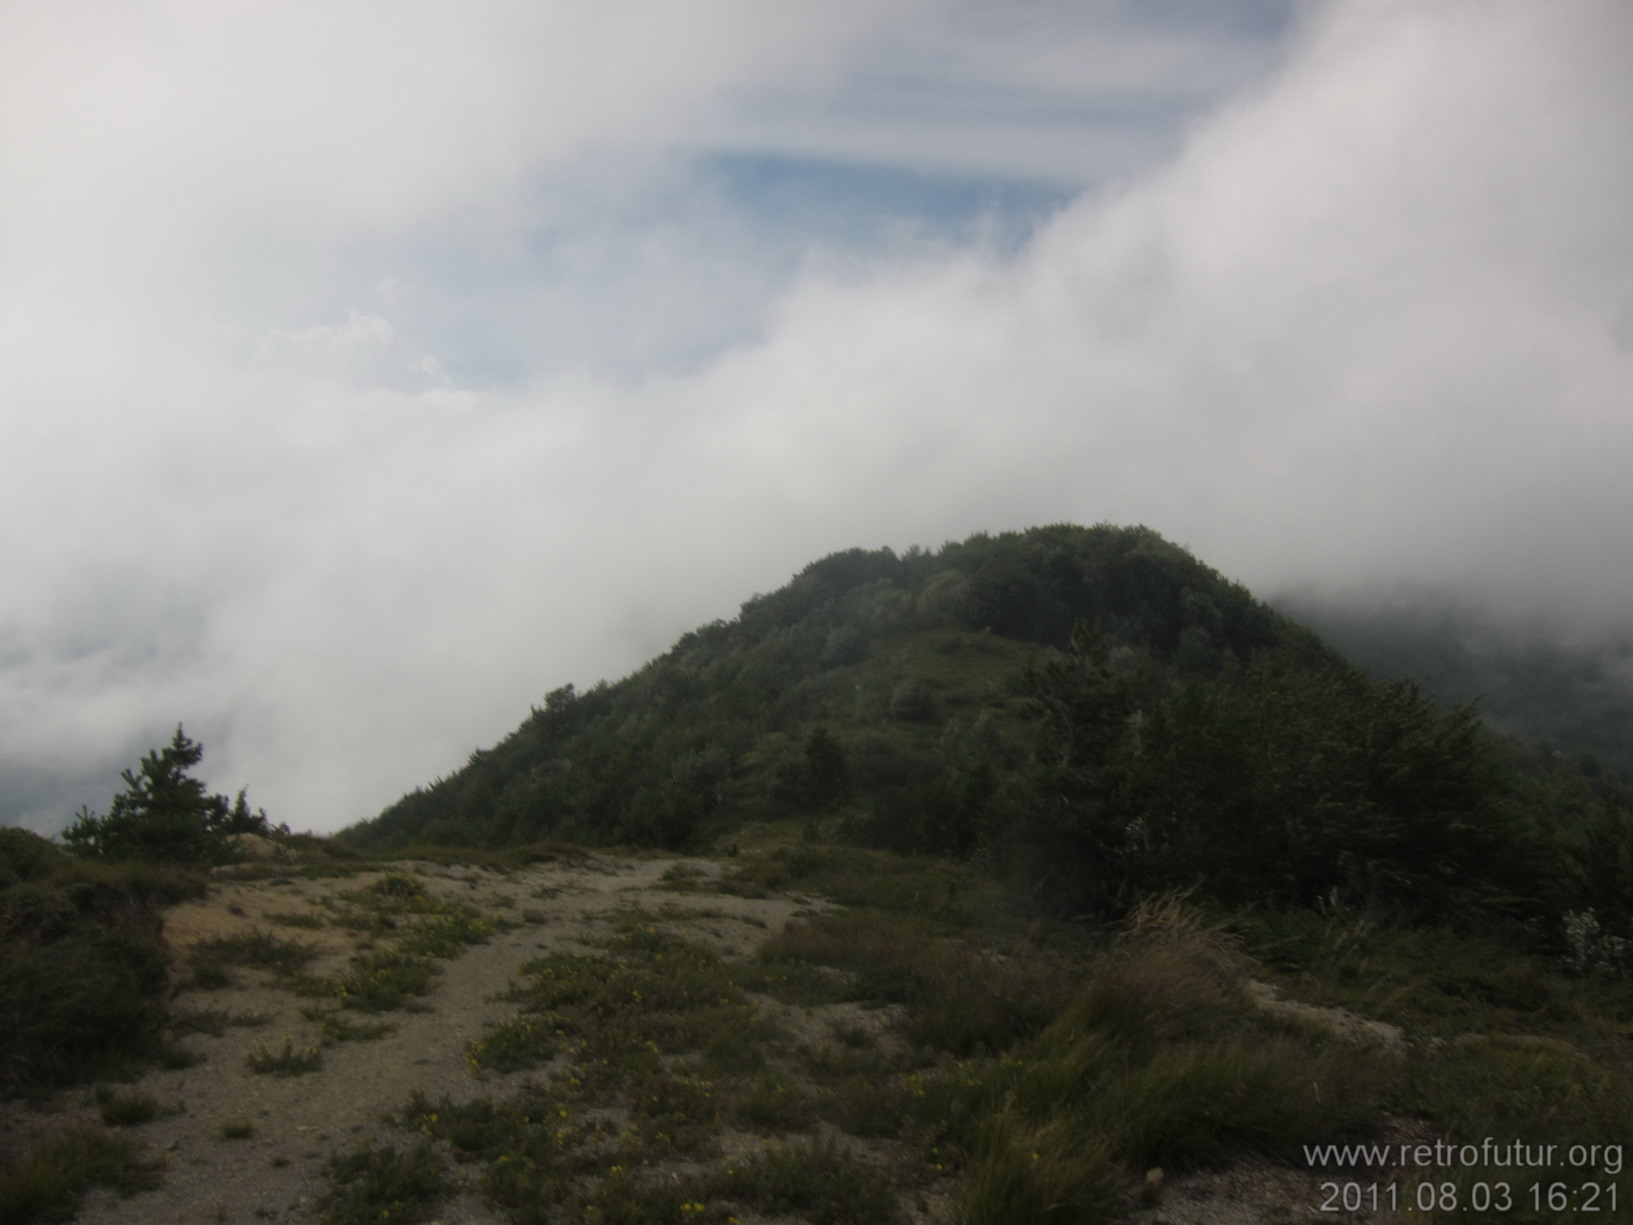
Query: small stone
[[1153, 1185]]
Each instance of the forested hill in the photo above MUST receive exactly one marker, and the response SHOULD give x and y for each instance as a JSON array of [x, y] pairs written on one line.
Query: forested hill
[[1535, 685], [901, 660], [942, 702]]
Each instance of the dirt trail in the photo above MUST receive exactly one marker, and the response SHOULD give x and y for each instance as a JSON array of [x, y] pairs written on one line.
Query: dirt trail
[[215, 1172], [276, 1174]]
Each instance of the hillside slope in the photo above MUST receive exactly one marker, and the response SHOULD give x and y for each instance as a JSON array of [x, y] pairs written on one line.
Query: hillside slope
[[914, 664], [1092, 712]]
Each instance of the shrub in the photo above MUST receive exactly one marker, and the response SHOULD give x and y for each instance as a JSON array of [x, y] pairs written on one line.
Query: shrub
[[382, 1184], [25, 856], [83, 979], [287, 1062], [126, 1109], [44, 1182]]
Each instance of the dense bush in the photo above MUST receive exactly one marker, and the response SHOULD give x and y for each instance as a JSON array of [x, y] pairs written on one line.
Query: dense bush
[[83, 967]]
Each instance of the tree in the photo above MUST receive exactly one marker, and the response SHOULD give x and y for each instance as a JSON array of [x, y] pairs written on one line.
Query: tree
[[165, 813]]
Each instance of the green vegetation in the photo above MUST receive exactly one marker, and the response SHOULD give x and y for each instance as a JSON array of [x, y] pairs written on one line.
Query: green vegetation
[[422, 928], [83, 967], [1573, 700], [164, 814], [1074, 799], [1091, 714], [212, 1021], [44, 1182], [126, 1109], [336, 1027], [373, 1185], [254, 949], [83, 964], [287, 1062]]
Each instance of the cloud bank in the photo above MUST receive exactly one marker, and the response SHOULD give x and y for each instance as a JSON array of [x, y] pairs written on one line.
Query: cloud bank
[[363, 379]]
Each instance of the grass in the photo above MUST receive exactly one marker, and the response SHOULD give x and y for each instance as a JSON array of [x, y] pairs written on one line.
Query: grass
[[254, 949], [954, 895], [1026, 1173], [421, 928], [212, 1021], [335, 1026], [125, 1109], [819, 1179], [1436, 982], [375, 1185], [959, 998], [652, 994], [47, 1178], [287, 1062], [237, 1129]]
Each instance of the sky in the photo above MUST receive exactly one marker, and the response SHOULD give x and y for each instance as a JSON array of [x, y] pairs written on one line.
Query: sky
[[369, 370]]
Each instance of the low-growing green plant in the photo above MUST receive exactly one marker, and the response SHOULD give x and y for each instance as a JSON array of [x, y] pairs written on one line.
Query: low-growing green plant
[[305, 919], [212, 1021], [237, 1129], [336, 1027], [211, 977], [511, 1046], [84, 973], [287, 1062], [176, 1057], [125, 1109], [384, 979], [653, 993], [374, 1185], [254, 949], [772, 1104], [1039, 1174], [46, 1178], [821, 1180]]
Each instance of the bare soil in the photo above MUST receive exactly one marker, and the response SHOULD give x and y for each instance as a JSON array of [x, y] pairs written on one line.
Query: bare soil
[[277, 1173]]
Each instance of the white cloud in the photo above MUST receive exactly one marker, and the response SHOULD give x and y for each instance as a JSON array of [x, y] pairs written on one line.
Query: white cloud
[[1370, 324]]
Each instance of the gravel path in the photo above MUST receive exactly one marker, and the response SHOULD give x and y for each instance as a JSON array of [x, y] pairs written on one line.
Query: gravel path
[[277, 1173]]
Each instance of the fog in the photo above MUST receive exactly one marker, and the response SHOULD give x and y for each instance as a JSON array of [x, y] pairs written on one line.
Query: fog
[[363, 380]]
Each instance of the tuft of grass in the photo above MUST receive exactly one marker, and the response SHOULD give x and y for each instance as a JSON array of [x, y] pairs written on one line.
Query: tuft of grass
[[821, 1180], [959, 998], [772, 1104], [652, 995], [1031, 1174], [954, 895], [211, 1021], [44, 1181], [237, 1129], [511, 1046], [373, 1185], [210, 977], [682, 878], [1206, 1104], [254, 949], [336, 1027], [287, 1062], [305, 919], [176, 1058], [126, 1109]]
